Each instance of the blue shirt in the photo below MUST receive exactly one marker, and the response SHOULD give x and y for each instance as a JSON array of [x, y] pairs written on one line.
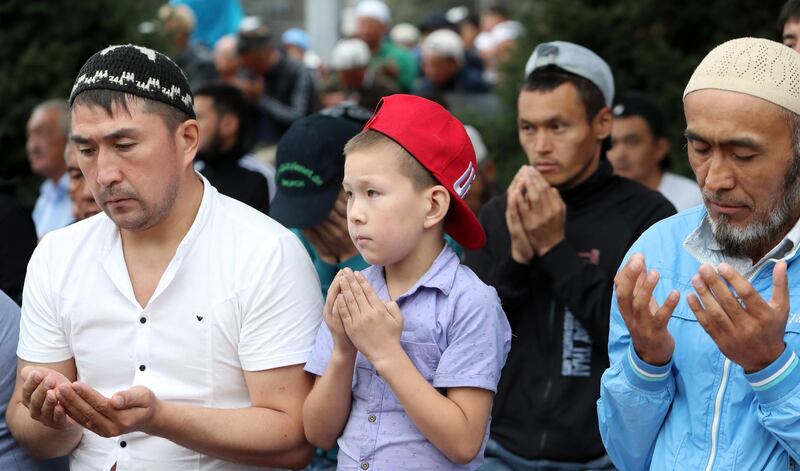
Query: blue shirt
[[455, 333], [12, 456], [53, 208]]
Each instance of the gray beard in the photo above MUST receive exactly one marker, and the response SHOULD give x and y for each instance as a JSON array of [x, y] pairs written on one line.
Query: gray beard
[[767, 226]]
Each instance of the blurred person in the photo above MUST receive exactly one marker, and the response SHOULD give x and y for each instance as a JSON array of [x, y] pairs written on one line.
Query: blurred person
[[197, 278], [226, 59], [484, 187], [372, 25], [83, 203], [297, 46], [789, 24], [282, 88], [640, 150], [225, 123], [47, 130], [193, 58], [310, 200], [554, 242], [17, 241], [12, 456], [214, 19], [704, 325], [351, 80], [444, 68], [497, 39], [405, 35], [468, 27]]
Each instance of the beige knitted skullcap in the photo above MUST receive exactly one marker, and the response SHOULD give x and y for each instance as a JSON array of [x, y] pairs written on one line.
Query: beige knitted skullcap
[[754, 66]]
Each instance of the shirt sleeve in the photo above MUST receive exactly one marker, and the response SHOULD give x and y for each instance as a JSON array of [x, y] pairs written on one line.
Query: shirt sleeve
[[478, 341], [42, 338], [321, 354], [282, 310], [777, 388], [635, 398]]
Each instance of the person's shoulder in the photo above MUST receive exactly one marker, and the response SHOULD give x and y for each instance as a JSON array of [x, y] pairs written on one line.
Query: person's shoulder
[[673, 230], [247, 222], [679, 181], [74, 236], [468, 287]]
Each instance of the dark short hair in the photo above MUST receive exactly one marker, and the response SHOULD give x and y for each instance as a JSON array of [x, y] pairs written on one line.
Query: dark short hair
[[789, 12], [371, 140], [548, 78], [230, 100], [106, 99]]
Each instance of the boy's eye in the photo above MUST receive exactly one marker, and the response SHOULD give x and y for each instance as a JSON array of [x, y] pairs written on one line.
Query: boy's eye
[[348, 194], [371, 193]]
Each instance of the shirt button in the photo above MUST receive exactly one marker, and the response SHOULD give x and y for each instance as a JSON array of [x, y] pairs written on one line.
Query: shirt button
[[123, 444], [142, 367], [372, 418], [364, 466], [142, 320]]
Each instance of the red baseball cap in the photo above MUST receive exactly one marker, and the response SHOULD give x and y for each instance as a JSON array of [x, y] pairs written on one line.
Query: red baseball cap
[[441, 144]]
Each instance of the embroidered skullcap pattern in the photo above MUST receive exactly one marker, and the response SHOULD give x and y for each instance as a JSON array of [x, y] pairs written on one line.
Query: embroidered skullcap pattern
[[753, 66], [139, 71]]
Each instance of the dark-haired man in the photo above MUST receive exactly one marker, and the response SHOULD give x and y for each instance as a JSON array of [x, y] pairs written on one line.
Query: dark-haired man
[[789, 24], [640, 150], [554, 242], [225, 133], [282, 88], [186, 314]]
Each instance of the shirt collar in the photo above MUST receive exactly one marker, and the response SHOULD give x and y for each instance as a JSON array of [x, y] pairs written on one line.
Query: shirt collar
[[702, 244], [441, 275]]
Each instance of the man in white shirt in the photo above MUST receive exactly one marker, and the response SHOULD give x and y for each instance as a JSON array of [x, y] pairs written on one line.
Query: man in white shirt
[[47, 131], [186, 315], [640, 150]]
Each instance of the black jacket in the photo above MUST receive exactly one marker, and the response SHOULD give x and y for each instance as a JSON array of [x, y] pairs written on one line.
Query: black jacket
[[558, 307], [17, 241]]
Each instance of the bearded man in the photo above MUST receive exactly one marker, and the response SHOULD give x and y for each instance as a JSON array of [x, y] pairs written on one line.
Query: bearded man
[[703, 346]]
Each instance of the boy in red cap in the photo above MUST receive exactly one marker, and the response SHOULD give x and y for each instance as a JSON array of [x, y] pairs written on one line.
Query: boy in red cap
[[409, 356]]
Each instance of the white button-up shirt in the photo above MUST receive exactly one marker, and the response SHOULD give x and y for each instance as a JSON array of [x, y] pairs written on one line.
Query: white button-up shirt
[[239, 294]]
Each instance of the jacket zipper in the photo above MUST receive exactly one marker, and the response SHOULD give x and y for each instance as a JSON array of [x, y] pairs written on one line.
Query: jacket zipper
[[726, 366]]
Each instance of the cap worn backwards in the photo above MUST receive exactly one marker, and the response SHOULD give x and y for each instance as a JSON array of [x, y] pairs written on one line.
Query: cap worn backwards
[[138, 71], [440, 143]]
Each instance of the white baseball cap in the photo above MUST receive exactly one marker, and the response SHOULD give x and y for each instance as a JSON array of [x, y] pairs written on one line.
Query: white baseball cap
[[375, 9], [444, 43], [350, 54]]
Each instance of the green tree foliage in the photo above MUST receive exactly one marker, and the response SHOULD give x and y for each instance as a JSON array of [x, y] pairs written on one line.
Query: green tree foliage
[[651, 45], [42, 46]]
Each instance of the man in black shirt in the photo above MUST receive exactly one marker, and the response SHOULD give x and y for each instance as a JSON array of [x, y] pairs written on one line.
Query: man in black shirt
[[554, 242], [282, 88], [225, 137]]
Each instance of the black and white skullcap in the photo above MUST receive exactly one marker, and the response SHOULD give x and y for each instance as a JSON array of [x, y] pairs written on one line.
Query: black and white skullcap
[[139, 71]]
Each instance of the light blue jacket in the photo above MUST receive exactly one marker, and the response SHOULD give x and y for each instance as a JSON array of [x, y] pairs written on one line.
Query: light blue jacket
[[701, 411]]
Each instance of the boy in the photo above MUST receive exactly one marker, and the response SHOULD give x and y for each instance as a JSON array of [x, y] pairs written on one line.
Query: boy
[[411, 350]]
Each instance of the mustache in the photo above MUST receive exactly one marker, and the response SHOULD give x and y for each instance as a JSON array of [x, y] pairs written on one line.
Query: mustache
[[116, 193], [720, 198]]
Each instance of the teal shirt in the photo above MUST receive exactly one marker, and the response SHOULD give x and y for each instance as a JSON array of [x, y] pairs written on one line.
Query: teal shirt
[[406, 65], [326, 271]]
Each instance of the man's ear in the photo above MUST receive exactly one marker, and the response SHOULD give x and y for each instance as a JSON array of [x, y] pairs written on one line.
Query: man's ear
[[187, 138], [438, 204], [601, 123]]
